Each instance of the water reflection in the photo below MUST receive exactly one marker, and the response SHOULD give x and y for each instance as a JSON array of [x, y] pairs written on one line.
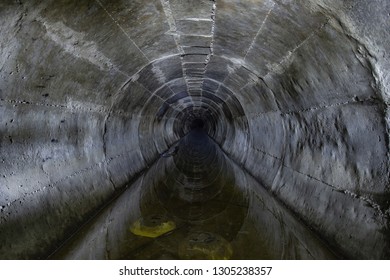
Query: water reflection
[[194, 203]]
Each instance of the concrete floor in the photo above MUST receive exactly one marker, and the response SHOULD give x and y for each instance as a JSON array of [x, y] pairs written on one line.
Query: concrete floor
[[194, 129]]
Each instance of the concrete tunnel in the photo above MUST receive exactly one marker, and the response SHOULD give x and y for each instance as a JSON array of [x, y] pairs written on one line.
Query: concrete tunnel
[[174, 129]]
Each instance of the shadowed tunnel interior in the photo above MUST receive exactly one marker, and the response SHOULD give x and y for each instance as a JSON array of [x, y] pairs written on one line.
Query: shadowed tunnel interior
[[173, 129]]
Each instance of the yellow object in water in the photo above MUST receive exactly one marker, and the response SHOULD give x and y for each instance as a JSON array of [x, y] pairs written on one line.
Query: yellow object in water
[[152, 227], [205, 246]]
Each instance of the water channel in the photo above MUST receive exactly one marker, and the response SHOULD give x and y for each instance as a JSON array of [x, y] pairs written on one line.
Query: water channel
[[195, 203]]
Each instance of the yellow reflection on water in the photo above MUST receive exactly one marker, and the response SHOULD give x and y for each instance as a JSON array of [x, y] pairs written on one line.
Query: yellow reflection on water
[[153, 226]]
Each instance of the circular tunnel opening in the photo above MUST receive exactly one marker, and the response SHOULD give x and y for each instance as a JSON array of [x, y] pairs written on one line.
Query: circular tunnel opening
[[287, 90], [197, 119], [197, 124]]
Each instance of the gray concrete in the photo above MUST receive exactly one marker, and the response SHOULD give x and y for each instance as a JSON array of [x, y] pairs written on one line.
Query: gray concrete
[[296, 93]]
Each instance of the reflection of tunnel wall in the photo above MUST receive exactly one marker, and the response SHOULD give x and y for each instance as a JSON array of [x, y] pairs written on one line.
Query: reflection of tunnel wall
[[184, 207], [295, 92]]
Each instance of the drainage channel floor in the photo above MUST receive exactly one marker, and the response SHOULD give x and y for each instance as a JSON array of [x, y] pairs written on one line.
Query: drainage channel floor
[[195, 203]]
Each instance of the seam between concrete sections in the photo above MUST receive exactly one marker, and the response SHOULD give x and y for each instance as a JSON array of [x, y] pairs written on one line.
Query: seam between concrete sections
[[167, 84], [172, 23], [154, 94], [24, 102], [252, 43], [95, 212], [295, 214], [173, 31], [53, 185], [161, 77], [286, 58], [281, 221], [105, 149], [336, 188], [278, 67], [257, 115], [136, 75], [273, 94], [158, 74], [74, 106], [121, 28], [260, 30], [219, 86], [211, 54], [195, 19], [225, 101], [379, 88]]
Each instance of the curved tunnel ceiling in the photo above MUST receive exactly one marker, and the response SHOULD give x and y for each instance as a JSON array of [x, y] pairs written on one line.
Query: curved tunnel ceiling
[[295, 92]]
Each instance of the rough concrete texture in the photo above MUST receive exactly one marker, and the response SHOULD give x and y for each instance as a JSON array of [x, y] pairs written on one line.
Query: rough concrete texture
[[295, 93]]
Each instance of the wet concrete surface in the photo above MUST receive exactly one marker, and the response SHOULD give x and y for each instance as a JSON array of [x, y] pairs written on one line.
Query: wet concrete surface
[[195, 204], [93, 92]]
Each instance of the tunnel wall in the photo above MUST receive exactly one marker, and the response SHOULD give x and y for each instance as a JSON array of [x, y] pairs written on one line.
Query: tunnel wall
[[91, 95], [57, 90], [319, 127], [332, 153]]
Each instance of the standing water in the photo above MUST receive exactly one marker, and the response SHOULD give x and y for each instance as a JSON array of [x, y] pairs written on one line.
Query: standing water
[[195, 203]]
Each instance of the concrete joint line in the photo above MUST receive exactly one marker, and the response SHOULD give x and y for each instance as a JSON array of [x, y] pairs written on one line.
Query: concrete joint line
[[335, 188], [78, 172], [260, 30], [121, 28]]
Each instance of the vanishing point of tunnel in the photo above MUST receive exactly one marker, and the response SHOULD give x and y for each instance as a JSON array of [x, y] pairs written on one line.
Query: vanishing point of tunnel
[[208, 129]]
